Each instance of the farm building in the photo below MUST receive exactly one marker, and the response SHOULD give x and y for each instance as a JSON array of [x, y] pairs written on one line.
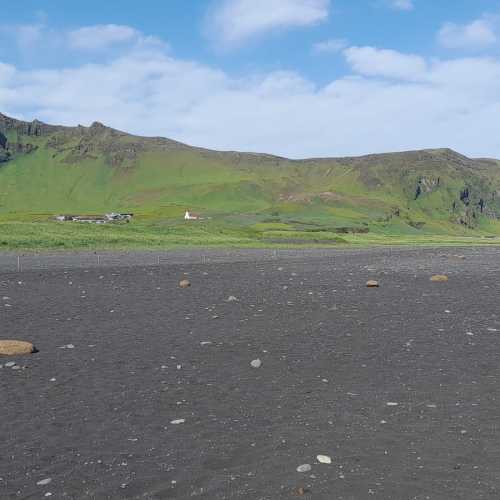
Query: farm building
[[191, 216]]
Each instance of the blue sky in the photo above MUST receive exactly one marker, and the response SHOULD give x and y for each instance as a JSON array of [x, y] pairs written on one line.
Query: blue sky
[[292, 77]]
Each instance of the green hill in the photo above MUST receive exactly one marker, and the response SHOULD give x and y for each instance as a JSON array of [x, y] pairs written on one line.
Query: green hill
[[46, 170]]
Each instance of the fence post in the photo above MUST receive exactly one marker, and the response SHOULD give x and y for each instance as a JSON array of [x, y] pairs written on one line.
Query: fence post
[[18, 263]]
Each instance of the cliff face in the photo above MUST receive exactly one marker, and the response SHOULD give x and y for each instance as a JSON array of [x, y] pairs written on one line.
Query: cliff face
[[34, 128]]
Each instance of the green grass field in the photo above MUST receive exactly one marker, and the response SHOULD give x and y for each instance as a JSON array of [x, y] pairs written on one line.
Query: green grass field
[[165, 234]]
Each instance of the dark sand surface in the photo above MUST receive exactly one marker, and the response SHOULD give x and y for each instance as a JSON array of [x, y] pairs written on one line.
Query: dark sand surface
[[96, 419]]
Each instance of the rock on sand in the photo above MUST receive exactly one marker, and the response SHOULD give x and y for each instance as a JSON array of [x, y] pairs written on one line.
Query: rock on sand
[[439, 278], [372, 284], [304, 468], [16, 347], [185, 284], [324, 459]]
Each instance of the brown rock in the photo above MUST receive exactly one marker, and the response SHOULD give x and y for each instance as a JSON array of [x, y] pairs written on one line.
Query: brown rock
[[185, 284], [301, 491], [439, 278], [372, 284], [16, 348]]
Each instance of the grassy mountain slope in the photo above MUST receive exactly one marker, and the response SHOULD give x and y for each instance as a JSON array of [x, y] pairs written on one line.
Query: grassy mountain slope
[[45, 170]]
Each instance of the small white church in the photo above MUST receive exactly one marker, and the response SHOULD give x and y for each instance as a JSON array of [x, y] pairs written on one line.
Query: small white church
[[191, 216]]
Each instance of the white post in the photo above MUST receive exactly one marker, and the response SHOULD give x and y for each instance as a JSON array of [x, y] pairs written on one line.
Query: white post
[[18, 263]]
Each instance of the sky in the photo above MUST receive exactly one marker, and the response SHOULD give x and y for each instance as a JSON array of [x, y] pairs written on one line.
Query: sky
[[297, 78]]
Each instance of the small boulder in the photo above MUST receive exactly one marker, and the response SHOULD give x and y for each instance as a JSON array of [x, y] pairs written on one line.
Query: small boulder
[[16, 348], [185, 284], [372, 284], [439, 278]]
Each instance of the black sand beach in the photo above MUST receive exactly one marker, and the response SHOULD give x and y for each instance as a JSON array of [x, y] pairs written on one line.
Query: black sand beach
[[143, 390]]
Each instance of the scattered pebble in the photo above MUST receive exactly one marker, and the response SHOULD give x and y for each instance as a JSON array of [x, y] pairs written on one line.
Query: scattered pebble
[[392, 404], [232, 298], [324, 459], [178, 421], [185, 284], [44, 482], [304, 468], [372, 284], [256, 363]]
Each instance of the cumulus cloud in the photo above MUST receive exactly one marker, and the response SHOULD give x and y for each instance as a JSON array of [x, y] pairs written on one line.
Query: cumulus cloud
[[386, 63], [234, 21], [40, 38], [331, 46], [480, 33], [101, 36]]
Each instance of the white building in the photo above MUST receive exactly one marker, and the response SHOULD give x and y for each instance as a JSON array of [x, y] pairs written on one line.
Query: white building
[[191, 216]]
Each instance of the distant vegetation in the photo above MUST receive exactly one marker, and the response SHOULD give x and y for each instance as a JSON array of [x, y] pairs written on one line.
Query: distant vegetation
[[247, 199]]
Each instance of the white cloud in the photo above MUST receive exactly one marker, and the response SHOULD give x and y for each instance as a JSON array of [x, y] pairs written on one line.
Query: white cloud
[[390, 102], [480, 33], [101, 36], [234, 21], [402, 4], [371, 61], [331, 46]]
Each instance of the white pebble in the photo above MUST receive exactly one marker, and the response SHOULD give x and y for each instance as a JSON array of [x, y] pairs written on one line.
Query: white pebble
[[304, 468], [178, 421], [256, 363], [44, 482], [324, 459]]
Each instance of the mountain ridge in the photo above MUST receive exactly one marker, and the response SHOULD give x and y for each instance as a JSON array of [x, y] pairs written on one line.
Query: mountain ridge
[[51, 168], [36, 127]]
